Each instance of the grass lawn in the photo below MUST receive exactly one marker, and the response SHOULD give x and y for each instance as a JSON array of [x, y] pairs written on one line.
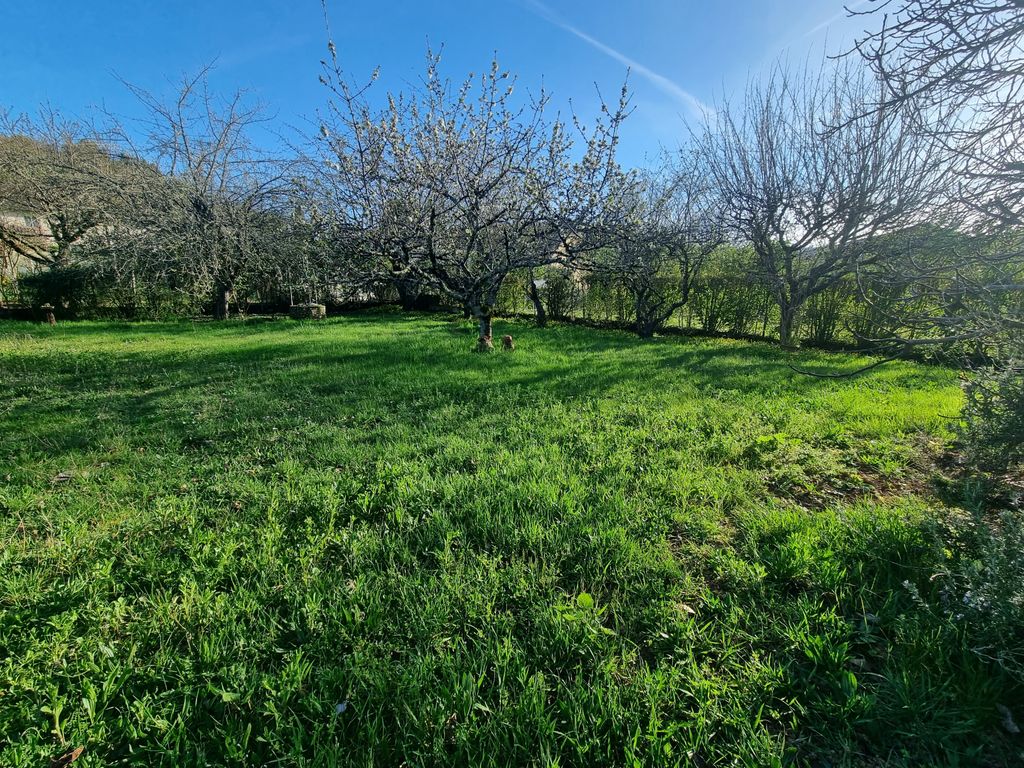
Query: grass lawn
[[357, 543]]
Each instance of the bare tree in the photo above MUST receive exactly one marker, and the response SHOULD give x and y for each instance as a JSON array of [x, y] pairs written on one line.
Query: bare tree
[[211, 212], [675, 223], [458, 187], [959, 64], [808, 186], [54, 186]]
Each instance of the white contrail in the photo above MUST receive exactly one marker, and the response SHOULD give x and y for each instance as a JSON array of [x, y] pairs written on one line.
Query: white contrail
[[833, 19], [658, 80]]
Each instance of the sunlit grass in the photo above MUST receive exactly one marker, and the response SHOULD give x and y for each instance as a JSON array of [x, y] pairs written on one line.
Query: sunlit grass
[[358, 543]]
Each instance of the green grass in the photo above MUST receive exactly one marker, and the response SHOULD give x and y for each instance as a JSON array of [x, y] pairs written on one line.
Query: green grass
[[590, 551]]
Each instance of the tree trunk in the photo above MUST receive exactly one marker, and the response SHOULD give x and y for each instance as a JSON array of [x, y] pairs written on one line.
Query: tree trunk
[[645, 330], [646, 325], [646, 322], [485, 320], [407, 294], [538, 306], [61, 256], [787, 316], [221, 303], [484, 342], [135, 297]]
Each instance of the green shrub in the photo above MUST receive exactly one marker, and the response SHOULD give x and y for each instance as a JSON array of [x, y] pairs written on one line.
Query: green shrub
[[85, 291], [68, 288], [992, 430], [993, 600], [982, 585]]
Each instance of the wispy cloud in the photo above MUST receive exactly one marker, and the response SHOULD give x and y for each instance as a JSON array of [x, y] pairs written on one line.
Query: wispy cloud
[[836, 17], [658, 80]]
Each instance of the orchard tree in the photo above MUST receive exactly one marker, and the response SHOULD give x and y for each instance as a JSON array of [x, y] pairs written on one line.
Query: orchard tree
[[211, 214], [373, 220], [960, 65], [59, 180], [673, 226], [808, 185], [457, 187], [966, 91]]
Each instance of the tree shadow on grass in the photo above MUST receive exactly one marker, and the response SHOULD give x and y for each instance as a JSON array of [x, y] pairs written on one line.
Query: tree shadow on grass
[[409, 374]]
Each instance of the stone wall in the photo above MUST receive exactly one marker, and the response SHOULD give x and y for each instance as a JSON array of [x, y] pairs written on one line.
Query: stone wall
[[307, 312]]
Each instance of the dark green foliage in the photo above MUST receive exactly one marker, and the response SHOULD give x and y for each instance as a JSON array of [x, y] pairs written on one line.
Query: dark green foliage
[[70, 289], [730, 298], [992, 431], [83, 290], [824, 313]]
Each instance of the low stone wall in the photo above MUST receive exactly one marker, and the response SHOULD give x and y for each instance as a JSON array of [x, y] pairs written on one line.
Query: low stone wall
[[307, 312]]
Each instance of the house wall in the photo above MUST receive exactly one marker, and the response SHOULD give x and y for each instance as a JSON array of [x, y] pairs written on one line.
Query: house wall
[[25, 225]]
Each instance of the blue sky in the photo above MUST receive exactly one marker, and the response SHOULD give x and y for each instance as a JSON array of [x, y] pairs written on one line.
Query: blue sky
[[683, 53]]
